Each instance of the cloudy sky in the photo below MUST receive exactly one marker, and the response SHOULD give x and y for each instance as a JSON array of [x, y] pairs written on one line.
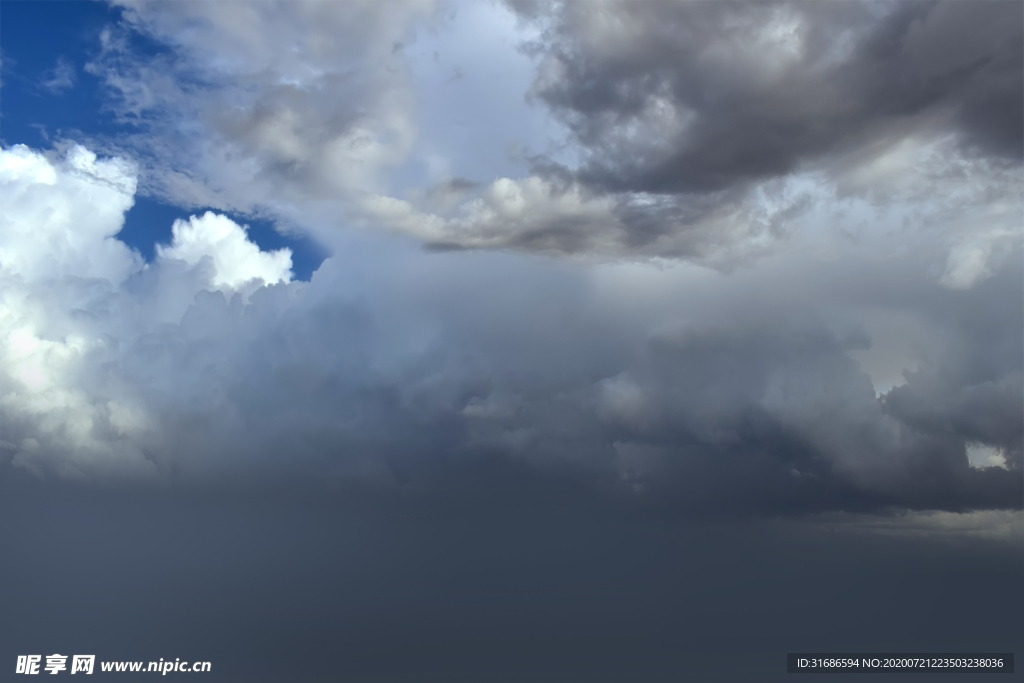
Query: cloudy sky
[[525, 340]]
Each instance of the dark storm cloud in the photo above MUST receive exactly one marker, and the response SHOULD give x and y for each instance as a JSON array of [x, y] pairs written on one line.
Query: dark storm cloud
[[754, 407], [715, 395], [681, 97], [777, 417]]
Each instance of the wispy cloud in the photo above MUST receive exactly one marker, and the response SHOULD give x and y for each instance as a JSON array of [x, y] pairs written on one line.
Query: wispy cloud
[[60, 78]]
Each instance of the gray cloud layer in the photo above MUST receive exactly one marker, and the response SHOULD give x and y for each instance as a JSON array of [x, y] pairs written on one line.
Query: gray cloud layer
[[681, 97], [702, 131]]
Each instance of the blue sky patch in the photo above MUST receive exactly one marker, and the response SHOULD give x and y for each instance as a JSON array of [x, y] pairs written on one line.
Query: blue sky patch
[[48, 97]]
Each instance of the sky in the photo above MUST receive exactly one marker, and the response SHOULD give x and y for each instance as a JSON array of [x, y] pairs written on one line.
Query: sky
[[523, 340]]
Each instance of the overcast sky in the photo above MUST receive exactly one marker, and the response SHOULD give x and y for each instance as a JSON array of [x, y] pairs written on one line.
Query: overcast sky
[[541, 340]]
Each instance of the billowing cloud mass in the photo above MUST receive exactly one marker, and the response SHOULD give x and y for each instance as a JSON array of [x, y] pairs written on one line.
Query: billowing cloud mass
[[74, 297], [794, 230], [744, 393]]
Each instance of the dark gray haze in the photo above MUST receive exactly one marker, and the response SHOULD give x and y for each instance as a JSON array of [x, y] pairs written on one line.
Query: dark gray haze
[[530, 582]]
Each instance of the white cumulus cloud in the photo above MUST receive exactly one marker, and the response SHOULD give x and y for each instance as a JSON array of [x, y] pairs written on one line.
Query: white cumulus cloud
[[74, 300], [237, 262], [59, 219]]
